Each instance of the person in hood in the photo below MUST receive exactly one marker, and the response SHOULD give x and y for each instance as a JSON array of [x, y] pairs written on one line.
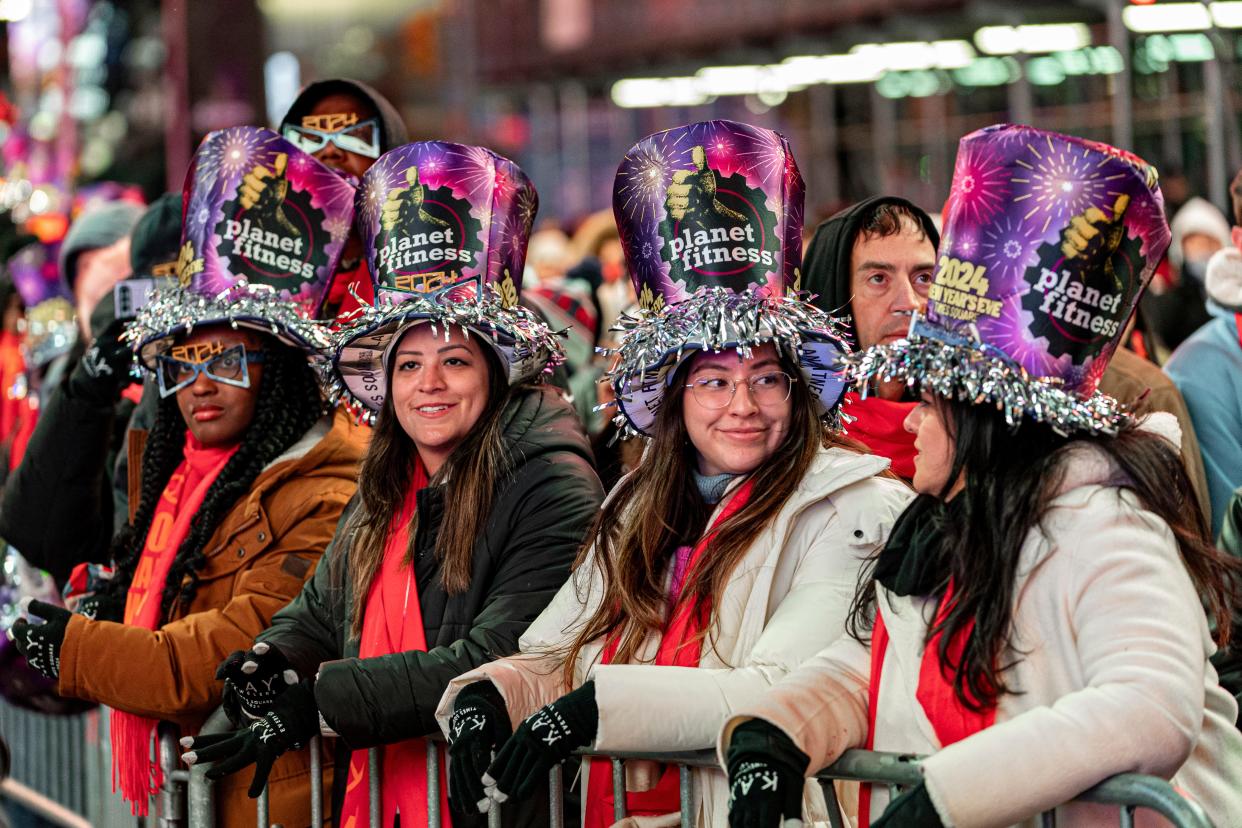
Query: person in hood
[[60, 507], [1199, 230], [1207, 369], [727, 556], [346, 125], [873, 264], [95, 255], [474, 496], [1036, 622]]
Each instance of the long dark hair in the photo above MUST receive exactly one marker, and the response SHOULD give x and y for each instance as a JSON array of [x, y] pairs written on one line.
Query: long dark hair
[[1010, 475], [470, 476], [658, 508], [288, 404]]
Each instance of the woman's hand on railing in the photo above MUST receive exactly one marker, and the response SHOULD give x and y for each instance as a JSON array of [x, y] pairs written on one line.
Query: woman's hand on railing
[[544, 740], [253, 679], [290, 723], [913, 809], [480, 723], [766, 777]]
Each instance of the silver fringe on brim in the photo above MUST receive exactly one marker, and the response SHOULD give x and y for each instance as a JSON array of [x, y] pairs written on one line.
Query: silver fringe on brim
[[172, 312], [961, 369], [716, 319], [526, 343]]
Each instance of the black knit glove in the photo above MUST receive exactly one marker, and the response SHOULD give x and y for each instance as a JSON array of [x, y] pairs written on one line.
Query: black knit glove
[[253, 679], [292, 720], [480, 723], [102, 599], [913, 809], [766, 777], [41, 643], [103, 372], [544, 740]]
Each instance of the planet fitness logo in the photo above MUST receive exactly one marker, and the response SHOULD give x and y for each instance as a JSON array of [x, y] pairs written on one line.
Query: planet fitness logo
[[269, 230], [1082, 288], [719, 231], [427, 236]]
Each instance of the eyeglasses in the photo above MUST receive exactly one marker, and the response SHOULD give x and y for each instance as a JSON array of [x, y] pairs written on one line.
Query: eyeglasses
[[228, 367], [765, 389], [362, 138]]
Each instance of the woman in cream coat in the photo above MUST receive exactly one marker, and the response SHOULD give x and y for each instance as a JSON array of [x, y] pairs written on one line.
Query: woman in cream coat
[[1036, 621]]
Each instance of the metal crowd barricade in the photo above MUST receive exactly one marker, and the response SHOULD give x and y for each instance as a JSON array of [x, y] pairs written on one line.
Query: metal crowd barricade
[[1128, 792]]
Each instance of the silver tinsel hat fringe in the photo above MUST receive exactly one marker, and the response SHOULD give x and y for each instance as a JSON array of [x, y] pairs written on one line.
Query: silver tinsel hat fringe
[[528, 344], [715, 319], [174, 311], [939, 361]]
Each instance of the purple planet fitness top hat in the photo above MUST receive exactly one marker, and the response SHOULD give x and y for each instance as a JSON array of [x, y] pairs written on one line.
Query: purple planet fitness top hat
[[1048, 242], [710, 217], [263, 227], [445, 228]]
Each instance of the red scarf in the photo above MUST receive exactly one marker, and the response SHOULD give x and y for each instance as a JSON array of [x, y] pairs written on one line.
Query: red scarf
[[950, 719], [681, 645], [393, 623], [133, 770], [879, 425]]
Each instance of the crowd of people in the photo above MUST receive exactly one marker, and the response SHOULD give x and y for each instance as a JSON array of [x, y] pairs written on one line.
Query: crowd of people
[[337, 440]]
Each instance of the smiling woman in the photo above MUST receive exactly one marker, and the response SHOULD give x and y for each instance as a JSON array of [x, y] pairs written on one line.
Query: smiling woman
[[473, 498], [440, 387]]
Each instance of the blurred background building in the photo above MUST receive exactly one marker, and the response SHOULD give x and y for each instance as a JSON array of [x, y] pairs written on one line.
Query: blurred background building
[[873, 93]]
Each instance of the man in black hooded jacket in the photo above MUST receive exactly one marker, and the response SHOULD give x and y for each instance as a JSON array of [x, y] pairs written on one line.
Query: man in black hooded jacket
[[873, 264]]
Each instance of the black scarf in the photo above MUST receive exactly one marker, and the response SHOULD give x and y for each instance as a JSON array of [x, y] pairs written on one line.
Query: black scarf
[[911, 562]]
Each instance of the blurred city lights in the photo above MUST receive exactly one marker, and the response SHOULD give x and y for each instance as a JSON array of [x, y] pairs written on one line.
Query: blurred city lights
[[1032, 39], [15, 9]]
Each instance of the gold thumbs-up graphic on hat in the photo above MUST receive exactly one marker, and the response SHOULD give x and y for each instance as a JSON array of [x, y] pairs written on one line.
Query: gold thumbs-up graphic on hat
[[692, 193], [1094, 236], [402, 202], [263, 192]]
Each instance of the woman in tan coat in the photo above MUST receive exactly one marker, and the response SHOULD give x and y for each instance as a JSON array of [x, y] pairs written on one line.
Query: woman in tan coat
[[244, 477]]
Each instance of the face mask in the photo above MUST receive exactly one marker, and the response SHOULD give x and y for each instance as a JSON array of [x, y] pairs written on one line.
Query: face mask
[[1196, 270]]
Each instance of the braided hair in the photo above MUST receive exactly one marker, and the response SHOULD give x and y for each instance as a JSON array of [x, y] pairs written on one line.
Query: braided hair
[[288, 404]]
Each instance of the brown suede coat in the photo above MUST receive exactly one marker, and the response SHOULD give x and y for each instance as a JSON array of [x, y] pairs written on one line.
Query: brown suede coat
[[257, 560]]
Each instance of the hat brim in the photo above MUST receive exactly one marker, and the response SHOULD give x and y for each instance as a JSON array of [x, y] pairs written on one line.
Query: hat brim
[[526, 346], [935, 359], [172, 313], [656, 344]]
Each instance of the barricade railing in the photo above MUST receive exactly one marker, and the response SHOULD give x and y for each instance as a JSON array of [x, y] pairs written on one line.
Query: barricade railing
[[1127, 792]]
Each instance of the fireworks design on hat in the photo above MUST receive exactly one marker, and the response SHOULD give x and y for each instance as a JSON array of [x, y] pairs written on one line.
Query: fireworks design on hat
[[1033, 286], [980, 185], [1009, 247], [642, 183], [1059, 181]]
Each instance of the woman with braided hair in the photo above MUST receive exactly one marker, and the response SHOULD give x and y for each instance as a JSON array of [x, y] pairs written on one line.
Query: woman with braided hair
[[243, 479]]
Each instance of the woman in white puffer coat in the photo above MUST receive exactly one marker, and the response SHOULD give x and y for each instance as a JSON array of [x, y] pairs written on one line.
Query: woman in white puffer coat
[[725, 559]]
